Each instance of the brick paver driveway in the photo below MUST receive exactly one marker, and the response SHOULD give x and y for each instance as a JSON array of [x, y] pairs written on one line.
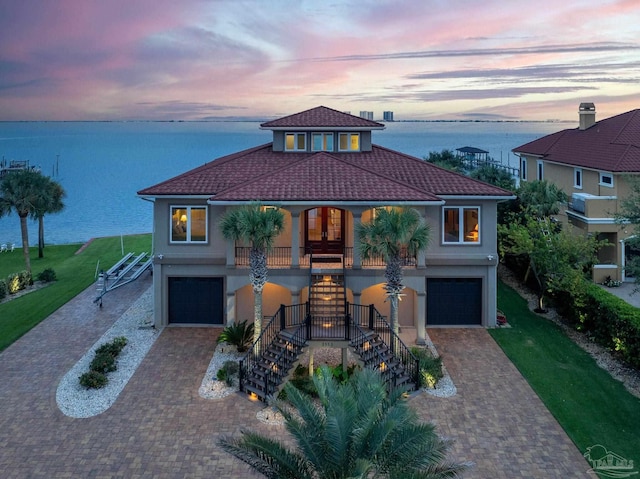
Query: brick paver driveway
[[159, 427]]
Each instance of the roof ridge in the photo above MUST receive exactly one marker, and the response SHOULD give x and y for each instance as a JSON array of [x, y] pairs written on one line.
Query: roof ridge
[[624, 127], [310, 157], [461, 175], [211, 164]]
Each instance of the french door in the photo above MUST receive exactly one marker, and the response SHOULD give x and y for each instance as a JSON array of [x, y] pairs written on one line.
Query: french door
[[324, 230]]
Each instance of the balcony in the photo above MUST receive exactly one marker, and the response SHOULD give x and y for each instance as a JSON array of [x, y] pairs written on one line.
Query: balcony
[[281, 258]]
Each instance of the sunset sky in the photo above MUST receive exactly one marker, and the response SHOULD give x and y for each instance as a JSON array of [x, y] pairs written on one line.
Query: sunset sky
[[422, 59]]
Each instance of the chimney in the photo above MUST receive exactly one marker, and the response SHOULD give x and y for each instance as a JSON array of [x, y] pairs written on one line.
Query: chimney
[[587, 114]]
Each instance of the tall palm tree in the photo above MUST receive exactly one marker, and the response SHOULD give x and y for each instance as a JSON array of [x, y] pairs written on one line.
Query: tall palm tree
[[49, 201], [258, 226], [19, 192], [358, 430], [392, 234]]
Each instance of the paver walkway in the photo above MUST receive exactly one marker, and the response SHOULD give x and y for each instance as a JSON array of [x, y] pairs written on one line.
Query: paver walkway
[[160, 427]]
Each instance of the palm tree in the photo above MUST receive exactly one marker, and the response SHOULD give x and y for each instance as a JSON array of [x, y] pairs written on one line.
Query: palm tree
[[394, 234], [258, 226], [48, 201], [358, 430], [19, 192]]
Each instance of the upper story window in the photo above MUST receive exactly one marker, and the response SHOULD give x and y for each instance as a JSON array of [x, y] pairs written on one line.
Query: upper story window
[[606, 179], [577, 178], [540, 170], [460, 225], [349, 142], [322, 141], [523, 169], [188, 224], [295, 142]]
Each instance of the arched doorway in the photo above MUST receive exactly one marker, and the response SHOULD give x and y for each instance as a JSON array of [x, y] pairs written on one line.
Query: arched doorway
[[324, 230]]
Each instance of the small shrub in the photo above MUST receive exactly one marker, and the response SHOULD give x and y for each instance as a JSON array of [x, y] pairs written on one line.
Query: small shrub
[[47, 276], [114, 348], [3, 289], [93, 380], [103, 362], [430, 367], [19, 281], [239, 335], [227, 372]]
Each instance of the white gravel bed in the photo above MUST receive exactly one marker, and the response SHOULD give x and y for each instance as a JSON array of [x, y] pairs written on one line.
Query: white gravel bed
[[211, 388], [135, 324], [445, 387]]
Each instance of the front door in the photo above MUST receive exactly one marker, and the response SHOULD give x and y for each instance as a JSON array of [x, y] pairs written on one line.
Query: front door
[[325, 230]]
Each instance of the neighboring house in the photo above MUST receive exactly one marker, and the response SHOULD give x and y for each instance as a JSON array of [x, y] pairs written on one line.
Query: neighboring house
[[591, 164], [325, 173]]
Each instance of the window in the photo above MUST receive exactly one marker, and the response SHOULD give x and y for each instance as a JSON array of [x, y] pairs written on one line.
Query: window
[[540, 170], [606, 179], [295, 142], [349, 142], [322, 141], [188, 224], [461, 225], [523, 169], [577, 178]]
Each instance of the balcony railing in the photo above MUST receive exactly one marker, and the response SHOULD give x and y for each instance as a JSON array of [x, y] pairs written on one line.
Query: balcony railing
[[280, 257]]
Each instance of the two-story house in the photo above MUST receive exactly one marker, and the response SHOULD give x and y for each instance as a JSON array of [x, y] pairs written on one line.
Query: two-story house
[[591, 164], [323, 170]]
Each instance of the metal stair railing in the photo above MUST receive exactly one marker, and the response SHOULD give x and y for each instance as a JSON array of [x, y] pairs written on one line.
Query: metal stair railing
[[278, 322], [365, 318]]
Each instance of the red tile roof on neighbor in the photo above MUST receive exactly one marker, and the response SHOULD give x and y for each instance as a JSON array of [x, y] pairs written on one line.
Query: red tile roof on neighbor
[[321, 117], [610, 145], [376, 176]]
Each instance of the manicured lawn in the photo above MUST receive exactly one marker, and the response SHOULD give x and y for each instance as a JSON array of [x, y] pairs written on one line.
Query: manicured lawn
[[75, 272], [592, 407]]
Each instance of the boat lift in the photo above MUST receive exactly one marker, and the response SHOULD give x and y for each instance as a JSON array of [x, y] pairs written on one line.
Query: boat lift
[[128, 269]]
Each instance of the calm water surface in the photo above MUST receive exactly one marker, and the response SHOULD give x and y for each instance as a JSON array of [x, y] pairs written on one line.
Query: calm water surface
[[102, 165]]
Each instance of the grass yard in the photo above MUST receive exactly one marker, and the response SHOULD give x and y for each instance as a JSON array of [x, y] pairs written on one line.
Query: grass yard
[[74, 272], [592, 407]]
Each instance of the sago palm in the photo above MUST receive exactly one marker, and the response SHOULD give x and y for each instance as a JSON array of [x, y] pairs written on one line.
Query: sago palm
[[257, 226], [393, 234], [357, 430]]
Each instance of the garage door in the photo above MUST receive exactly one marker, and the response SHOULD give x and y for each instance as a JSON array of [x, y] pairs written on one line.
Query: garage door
[[196, 300], [454, 301]]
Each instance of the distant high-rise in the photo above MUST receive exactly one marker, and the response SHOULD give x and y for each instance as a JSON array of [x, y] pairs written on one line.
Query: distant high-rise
[[387, 116], [367, 115]]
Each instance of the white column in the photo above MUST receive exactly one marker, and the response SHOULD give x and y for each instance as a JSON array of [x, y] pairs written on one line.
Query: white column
[[420, 314], [295, 239], [357, 220], [231, 308]]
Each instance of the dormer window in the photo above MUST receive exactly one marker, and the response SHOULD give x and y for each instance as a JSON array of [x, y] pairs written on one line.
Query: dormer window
[[295, 142], [322, 141], [349, 142]]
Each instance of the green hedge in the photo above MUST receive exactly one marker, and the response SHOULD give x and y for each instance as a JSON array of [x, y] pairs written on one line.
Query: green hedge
[[611, 321]]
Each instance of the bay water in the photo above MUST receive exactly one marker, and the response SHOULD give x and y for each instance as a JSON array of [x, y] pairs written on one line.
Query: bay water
[[101, 165]]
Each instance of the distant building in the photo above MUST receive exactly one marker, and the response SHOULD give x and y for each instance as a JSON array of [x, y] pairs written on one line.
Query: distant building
[[367, 115], [387, 116], [592, 164]]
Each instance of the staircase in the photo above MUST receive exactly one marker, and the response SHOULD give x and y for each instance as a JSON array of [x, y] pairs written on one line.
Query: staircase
[[269, 371], [327, 296], [376, 354]]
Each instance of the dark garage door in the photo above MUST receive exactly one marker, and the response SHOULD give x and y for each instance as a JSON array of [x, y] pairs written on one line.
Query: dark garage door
[[454, 301], [196, 300]]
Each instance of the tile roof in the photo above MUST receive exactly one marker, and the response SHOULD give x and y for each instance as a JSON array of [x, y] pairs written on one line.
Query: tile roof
[[320, 117], [379, 175], [612, 144]]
